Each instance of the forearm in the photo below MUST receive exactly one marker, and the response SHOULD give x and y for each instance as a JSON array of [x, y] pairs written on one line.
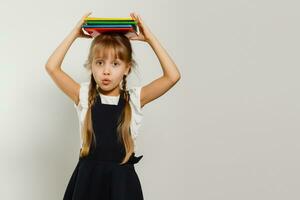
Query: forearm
[[55, 60], [169, 68]]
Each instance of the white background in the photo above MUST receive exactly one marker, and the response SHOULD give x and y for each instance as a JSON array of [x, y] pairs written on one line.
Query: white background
[[229, 129]]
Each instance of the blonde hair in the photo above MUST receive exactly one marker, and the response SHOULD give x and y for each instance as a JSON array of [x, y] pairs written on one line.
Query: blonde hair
[[122, 50]]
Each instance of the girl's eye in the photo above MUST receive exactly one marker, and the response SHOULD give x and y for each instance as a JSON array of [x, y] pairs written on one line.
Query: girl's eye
[[116, 64], [98, 62]]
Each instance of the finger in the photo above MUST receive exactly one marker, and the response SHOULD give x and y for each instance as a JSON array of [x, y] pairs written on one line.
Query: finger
[[130, 35], [95, 33], [132, 16], [133, 38], [86, 15], [139, 19], [86, 35], [127, 34], [135, 15]]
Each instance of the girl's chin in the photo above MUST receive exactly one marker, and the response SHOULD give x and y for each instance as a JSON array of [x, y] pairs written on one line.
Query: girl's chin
[[105, 87], [108, 87]]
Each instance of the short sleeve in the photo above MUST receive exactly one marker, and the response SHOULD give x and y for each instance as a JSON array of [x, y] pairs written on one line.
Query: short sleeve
[[83, 96], [137, 111], [82, 106]]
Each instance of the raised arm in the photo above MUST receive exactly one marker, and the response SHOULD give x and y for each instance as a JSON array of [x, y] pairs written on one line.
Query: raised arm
[[53, 65], [171, 74]]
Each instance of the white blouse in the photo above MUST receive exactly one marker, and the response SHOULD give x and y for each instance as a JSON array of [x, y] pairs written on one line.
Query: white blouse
[[134, 102]]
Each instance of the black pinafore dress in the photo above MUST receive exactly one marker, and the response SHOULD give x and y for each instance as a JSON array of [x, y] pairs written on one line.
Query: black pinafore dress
[[99, 175]]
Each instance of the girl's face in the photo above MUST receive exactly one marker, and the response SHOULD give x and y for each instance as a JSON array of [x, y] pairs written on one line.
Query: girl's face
[[108, 73]]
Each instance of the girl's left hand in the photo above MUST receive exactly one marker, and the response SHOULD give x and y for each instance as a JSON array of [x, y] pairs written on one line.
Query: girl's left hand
[[78, 28], [144, 32]]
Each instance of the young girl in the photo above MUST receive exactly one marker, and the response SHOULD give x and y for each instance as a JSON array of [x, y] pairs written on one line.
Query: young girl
[[109, 113]]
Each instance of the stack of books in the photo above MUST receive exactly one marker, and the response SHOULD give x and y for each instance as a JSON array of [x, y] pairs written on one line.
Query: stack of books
[[94, 26]]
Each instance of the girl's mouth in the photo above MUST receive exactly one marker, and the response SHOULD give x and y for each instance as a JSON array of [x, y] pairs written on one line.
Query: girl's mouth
[[106, 82]]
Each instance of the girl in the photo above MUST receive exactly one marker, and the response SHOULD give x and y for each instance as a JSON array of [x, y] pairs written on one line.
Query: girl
[[109, 113]]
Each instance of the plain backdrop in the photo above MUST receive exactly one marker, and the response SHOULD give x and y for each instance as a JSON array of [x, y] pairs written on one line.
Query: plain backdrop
[[229, 129]]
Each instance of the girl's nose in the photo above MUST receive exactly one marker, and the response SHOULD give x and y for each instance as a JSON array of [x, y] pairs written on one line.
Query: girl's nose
[[106, 70]]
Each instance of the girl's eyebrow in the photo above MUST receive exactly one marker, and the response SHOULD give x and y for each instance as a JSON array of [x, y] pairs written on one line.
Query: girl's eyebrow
[[99, 58]]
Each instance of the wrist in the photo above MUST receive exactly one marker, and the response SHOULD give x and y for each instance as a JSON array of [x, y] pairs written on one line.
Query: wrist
[[74, 33], [151, 40]]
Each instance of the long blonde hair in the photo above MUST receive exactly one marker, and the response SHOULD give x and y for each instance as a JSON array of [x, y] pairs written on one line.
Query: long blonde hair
[[122, 50]]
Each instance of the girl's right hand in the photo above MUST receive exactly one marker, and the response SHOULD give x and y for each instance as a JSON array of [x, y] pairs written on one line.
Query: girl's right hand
[[78, 28]]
